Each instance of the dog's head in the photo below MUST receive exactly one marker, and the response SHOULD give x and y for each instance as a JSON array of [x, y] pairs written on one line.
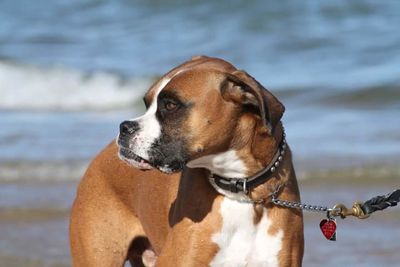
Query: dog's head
[[204, 106]]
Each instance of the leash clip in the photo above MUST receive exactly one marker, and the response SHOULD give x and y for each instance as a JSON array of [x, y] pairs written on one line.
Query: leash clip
[[342, 211]]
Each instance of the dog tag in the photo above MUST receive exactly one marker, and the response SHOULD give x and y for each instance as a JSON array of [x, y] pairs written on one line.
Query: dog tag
[[328, 228]]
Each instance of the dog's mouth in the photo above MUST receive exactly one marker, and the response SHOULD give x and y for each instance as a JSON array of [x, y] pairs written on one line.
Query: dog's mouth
[[133, 159]]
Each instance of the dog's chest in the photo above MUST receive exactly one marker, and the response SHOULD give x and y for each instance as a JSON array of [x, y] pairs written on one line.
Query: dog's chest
[[241, 242]]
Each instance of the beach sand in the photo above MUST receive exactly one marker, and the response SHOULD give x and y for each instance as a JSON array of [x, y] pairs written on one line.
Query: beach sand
[[34, 225]]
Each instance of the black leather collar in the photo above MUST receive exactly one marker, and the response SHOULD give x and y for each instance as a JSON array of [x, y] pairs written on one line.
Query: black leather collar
[[237, 185]]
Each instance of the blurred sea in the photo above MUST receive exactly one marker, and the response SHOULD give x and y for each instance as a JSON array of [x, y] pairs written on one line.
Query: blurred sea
[[71, 71]]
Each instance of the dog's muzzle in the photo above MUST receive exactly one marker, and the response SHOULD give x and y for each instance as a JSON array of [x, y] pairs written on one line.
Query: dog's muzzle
[[127, 129]]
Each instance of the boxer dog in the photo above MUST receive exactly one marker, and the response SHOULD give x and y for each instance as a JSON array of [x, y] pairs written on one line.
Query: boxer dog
[[190, 182]]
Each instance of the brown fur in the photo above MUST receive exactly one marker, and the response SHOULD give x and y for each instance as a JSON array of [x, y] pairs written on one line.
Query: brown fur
[[119, 211]]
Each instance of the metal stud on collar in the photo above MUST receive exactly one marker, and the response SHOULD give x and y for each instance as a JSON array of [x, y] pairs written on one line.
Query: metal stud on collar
[[281, 154]]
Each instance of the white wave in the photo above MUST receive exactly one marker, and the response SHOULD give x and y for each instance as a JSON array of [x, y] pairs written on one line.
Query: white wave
[[42, 170], [25, 87]]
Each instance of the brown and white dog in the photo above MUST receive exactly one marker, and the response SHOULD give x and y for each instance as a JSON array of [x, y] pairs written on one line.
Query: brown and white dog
[[204, 119]]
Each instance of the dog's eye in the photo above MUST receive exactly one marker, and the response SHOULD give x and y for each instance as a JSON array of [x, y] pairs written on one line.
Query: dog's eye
[[170, 106]]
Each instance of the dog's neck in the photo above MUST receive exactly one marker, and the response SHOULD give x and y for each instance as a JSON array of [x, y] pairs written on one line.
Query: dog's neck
[[248, 160], [226, 164]]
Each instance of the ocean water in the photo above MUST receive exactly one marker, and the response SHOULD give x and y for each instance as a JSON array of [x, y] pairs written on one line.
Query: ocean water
[[70, 71]]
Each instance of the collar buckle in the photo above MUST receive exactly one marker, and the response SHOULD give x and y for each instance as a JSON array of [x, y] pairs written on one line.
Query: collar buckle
[[237, 185], [234, 185]]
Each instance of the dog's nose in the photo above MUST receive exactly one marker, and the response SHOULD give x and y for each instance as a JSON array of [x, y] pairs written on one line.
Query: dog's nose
[[128, 127]]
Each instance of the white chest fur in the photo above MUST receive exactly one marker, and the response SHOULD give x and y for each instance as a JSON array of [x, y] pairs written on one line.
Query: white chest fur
[[243, 243]]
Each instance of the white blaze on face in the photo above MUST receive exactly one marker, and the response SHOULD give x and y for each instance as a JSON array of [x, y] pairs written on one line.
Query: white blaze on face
[[243, 243], [149, 127]]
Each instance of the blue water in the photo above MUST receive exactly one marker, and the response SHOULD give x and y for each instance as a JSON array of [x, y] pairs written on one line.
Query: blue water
[[284, 43], [70, 70]]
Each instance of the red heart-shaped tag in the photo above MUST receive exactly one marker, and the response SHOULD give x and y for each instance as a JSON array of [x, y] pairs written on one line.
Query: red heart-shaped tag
[[328, 228]]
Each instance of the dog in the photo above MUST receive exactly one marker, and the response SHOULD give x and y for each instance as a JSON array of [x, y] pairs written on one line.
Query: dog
[[190, 182]]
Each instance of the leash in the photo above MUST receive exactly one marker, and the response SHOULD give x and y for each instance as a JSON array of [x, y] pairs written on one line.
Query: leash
[[359, 210]]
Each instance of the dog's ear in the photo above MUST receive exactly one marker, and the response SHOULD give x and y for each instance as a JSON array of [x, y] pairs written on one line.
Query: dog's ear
[[241, 88]]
